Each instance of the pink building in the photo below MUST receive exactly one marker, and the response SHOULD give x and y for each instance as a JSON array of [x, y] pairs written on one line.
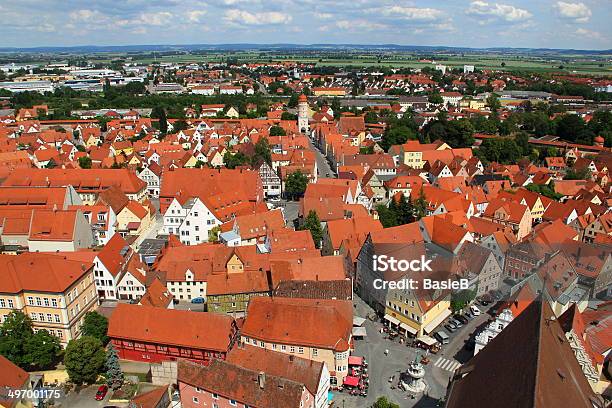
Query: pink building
[[224, 385]]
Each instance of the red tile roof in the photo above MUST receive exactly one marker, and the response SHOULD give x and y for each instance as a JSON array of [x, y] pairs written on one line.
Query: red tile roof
[[39, 273], [242, 385], [201, 330], [13, 377], [283, 320]]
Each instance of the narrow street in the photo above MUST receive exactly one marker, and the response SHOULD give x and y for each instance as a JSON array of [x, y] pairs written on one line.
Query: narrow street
[[322, 164]]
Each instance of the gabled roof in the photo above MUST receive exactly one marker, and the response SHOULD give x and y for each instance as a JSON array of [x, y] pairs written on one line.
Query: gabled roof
[[200, 330], [301, 370], [282, 320], [50, 225], [242, 385], [157, 295], [39, 272], [151, 399], [342, 229], [529, 364], [11, 376], [111, 255]]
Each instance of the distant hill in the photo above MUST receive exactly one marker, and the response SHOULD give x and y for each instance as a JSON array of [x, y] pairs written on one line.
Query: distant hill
[[85, 49]]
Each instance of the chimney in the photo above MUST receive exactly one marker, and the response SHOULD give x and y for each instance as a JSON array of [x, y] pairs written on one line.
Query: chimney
[[261, 379]]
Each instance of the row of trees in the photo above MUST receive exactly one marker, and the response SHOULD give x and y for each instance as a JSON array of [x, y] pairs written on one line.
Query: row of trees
[[84, 358], [262, 153], [402, 211]]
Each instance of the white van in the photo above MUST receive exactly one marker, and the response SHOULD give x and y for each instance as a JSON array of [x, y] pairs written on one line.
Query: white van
[[442, 337]]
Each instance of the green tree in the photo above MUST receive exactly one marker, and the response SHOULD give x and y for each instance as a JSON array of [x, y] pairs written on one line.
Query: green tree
[[288, 116], [85, 162], [234, 160], [84, 360], [386, 216], [420, 205], [461, 299], [397, 135], [295, 185], [313, 224], [95, 325], [493, 103], [569, 127], [14, 334], [405, 210], [383, 402], [293, 101], [371, 117], [263, 152], [42, 350], [277, 131], [114, 375], [213, 234], [435, 98], [179, 125], [159, 113]]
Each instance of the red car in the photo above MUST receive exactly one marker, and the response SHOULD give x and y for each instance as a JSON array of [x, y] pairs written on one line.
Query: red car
[[101, 392]]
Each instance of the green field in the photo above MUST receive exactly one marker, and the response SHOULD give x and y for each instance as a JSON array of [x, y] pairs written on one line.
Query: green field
[[577, 65], [600, 65]]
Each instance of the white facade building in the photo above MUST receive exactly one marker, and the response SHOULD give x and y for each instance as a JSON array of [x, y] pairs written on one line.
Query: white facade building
[[191, 222], [493, 329]]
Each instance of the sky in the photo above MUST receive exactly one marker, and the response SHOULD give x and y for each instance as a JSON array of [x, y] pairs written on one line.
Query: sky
[[509, 23]]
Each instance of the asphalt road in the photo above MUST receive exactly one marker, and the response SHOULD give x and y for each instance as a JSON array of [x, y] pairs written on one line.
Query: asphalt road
[[382, 367], [322, 163]]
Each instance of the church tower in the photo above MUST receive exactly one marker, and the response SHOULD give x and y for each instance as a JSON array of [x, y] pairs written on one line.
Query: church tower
[[303, 114]]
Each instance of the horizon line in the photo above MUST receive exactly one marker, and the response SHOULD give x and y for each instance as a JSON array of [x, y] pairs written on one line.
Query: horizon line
[[313, 45]]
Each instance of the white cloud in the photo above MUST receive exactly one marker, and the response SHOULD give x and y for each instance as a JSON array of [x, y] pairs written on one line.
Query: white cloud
[[88, 16], [46, 28], [195, 15], [496, 10], [359, 25], [159, 18], [323, 16], [248, 18], [579, 12], [589, 33], [413, 13]]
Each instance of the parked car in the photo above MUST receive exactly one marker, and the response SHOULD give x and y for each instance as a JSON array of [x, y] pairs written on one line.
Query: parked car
[[462, 319], [450, 328], [475, 311], [101, 392], [274, 199], [197, 300], [452, 324], [442, 337], [457, 322]]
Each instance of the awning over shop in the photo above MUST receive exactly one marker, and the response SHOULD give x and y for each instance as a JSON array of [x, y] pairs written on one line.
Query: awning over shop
[[359, 332], [392, 319], [429, 327], [355, 361], [430, 341], [358, 321], [351, 381], [409, 329]]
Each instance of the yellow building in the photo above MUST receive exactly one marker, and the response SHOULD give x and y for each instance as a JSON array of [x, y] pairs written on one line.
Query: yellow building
[[134, 218], [331, 91], [477, 104], [53, 291], [416, 312]]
